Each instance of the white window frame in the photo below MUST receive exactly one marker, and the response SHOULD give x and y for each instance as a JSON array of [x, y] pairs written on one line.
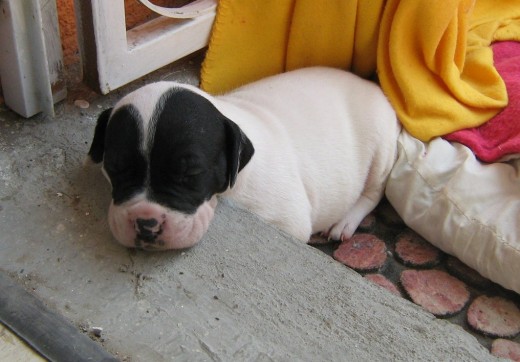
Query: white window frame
[[31, 58], [113, 56]]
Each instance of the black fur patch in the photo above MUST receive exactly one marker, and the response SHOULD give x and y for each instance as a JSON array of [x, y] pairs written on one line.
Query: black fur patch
[[124, 160], [193, 151], [192, 156], [97, 148]]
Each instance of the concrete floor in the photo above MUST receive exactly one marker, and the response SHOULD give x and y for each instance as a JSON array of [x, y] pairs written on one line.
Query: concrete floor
[[245, 293]]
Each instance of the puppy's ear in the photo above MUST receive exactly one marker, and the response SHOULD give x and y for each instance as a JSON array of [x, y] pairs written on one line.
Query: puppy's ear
[[240, 150], [97, 148]]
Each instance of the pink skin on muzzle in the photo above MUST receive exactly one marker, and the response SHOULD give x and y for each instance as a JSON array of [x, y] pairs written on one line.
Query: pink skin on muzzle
[[140, 223]]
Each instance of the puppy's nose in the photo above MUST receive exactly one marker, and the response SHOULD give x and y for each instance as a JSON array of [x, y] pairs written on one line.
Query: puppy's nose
[[147, 229], [146, 224]]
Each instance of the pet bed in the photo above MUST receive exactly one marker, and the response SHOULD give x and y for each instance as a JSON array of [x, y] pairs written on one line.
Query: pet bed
[[464, 206], [434, 61]]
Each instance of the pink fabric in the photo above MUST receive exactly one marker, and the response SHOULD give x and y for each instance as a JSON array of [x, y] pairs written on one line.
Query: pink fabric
[[500, 136]]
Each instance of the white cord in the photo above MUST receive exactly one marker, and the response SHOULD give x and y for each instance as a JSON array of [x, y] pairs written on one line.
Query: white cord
[[191, 10]]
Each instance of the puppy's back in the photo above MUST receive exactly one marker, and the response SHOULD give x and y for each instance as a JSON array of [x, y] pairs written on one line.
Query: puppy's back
[[327, 126]]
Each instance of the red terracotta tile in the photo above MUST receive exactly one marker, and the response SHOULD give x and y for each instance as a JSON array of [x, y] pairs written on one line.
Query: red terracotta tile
[[383, 282], [494, 316], [362, 252], [504, 348], [412, 250], [436, 291]]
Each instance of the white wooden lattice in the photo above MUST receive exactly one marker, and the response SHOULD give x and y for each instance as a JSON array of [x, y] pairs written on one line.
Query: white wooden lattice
[[113, 56]]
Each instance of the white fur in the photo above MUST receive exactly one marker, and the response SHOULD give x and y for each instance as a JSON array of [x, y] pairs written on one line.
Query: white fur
[[325, 142]]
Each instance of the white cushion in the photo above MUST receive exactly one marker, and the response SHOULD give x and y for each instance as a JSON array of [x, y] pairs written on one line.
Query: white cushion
[[466, 208]]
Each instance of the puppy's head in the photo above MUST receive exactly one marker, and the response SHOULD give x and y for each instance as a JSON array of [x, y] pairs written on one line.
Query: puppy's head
[[167, 151]]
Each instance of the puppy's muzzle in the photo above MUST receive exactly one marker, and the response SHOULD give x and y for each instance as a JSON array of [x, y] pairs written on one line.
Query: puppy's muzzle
[[143, 224]]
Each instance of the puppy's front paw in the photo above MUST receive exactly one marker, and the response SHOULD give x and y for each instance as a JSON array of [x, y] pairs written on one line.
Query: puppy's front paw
[[345, 228], [342, 230], [348, 231]]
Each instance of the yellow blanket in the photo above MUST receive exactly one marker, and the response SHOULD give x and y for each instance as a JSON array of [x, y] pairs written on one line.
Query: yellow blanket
[[432, 57]]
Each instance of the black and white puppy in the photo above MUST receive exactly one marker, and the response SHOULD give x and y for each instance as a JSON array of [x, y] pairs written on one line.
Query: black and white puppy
[[308, 150]]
